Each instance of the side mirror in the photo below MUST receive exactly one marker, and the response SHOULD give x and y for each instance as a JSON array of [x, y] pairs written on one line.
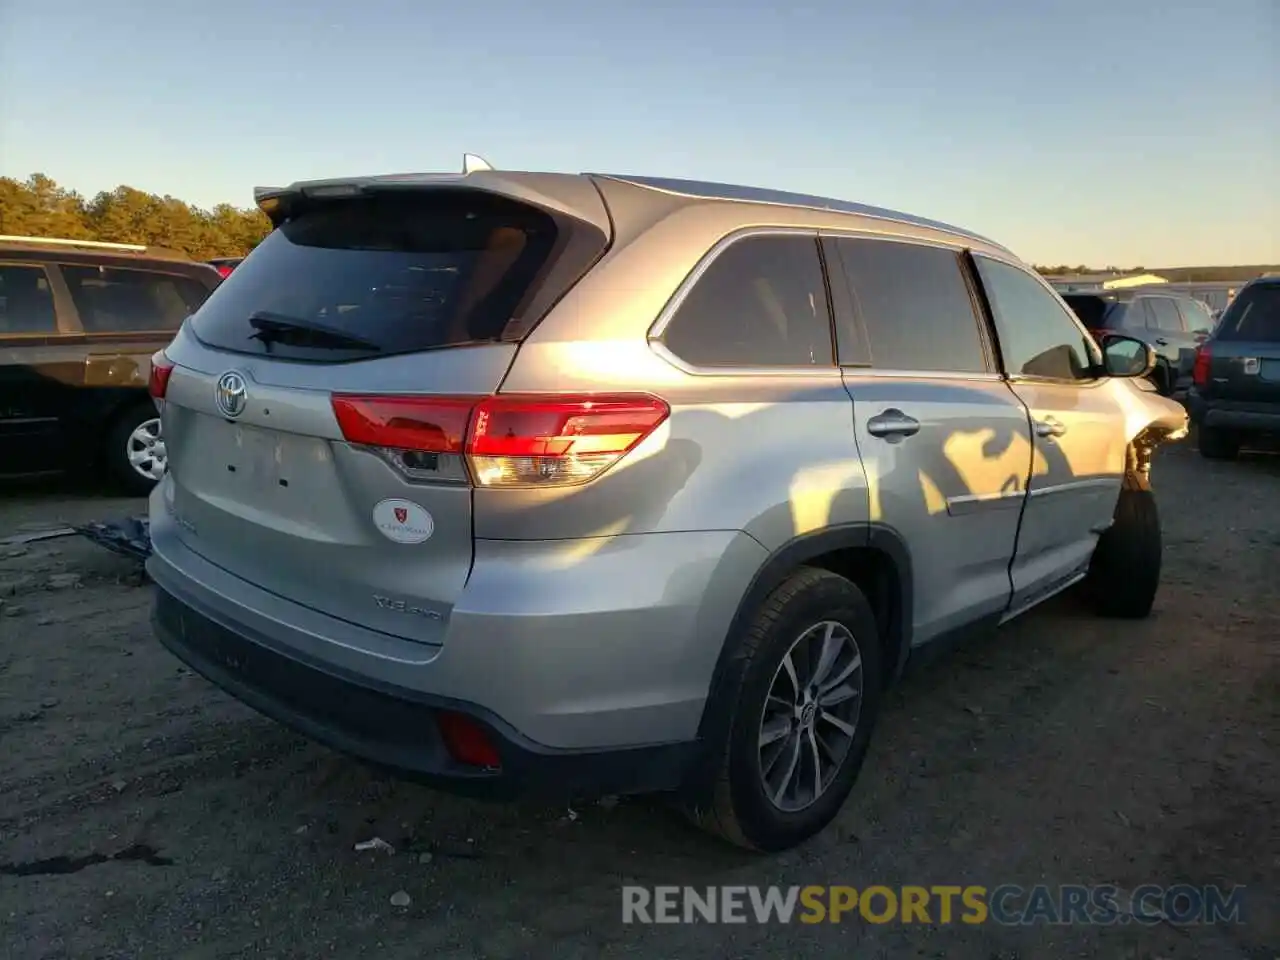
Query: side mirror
[[1127, 357]]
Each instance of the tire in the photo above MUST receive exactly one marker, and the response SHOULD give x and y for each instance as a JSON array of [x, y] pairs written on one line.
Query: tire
[[1153, 378], [126, 435], [1124, 575], [737, 805], [1217, 444]]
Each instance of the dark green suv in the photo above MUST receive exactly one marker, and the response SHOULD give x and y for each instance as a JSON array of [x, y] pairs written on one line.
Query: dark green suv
[[1235, 399]]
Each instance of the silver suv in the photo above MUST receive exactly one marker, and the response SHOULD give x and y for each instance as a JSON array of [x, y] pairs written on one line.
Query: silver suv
[[553, 485]]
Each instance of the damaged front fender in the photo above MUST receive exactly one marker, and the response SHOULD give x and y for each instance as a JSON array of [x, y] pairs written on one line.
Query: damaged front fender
[[1150, 421]]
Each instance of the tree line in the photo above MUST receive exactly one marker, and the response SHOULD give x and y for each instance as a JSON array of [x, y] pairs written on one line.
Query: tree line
[[1172, 274], [39, 207]]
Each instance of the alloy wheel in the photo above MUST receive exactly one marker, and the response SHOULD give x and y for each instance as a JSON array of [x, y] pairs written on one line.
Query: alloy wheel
[[810, 715]]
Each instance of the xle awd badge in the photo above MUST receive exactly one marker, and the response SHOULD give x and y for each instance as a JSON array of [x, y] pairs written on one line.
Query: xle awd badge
[[403, 521]]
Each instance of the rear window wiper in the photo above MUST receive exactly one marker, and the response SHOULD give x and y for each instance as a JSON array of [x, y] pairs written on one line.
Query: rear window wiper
[[277, 328]]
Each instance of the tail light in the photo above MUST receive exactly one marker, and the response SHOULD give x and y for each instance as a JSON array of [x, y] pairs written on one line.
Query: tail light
[[501, 441], [466, 740], [224, 270], [1204, 359], [161, 369], [517, 442]]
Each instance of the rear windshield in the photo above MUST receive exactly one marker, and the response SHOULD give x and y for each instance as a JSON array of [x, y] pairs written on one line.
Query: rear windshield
[[1253, 315], [394, 273], [1092, 311]]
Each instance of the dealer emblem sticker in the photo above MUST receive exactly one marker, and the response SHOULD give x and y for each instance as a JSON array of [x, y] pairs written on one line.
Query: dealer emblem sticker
[[403, 521]]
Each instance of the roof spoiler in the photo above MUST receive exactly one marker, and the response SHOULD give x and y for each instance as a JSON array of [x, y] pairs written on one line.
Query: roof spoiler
[[277, 202]]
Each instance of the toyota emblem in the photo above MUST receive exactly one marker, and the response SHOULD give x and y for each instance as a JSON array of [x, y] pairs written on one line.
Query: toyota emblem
[[230, 394]]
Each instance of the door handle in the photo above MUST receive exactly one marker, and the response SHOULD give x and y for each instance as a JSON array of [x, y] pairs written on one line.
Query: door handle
[[1161, 342], [893, 425], [1049, 427]]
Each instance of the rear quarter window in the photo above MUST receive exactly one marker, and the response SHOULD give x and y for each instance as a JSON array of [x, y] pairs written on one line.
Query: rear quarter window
[[401, 272], [762, 302], [120, 300]]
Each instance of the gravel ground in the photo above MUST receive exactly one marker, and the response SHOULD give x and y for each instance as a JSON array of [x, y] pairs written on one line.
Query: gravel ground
[[145, 814]]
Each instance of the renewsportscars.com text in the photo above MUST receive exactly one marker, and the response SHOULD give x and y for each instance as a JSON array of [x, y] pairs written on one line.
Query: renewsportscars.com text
[[1008, 904]]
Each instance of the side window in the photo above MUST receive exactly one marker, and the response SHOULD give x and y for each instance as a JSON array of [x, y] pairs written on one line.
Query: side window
[[26, 302], [1194, 316], [1038, 338], [1166, 313], [1138, 315], [914, 305], [111, 300], [761, 303]]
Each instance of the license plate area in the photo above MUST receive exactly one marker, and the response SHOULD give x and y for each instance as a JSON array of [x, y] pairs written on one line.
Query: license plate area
[[280, 471]]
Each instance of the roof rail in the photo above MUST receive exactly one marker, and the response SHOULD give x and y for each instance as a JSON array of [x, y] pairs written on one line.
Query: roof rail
[[56, 241]]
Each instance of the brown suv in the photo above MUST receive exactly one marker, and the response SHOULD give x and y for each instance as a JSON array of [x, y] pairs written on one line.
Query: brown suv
[[79, 322]]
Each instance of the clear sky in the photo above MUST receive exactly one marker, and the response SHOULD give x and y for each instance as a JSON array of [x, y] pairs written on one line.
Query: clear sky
[[1098, 131]]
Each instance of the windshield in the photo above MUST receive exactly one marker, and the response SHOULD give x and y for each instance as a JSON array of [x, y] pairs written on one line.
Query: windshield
[[399, 272]]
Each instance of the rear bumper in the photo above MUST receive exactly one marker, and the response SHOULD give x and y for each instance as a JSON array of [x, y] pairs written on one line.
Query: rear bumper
[[1231, 415], [588, 662], [397, 728]]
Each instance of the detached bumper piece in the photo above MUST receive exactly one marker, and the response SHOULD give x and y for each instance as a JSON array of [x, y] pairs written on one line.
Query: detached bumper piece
[[452, 745], [129, 537]]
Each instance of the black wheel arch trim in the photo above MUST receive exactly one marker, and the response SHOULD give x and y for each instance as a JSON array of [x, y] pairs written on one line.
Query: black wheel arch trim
[[98, 408], [717, 717]]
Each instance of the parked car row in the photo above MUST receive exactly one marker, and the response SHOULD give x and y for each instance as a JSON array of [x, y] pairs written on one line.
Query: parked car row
[[1174, 325]]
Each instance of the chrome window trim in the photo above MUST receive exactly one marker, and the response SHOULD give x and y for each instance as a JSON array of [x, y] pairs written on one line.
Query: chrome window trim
[[1070, 486], [970, 503], [1091, 383], [851, 370], [664, 353], [855, 233], [664, 318]]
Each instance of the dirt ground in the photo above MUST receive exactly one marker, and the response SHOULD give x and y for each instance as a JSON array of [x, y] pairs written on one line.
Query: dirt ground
[[145, 814]]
